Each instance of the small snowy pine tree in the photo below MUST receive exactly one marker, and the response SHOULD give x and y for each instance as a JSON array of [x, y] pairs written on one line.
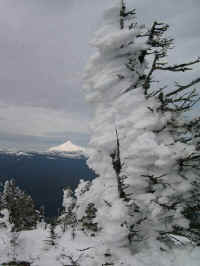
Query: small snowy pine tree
[[87, 221], [86, 216], [22, 213], [52, 237], [68, 218]]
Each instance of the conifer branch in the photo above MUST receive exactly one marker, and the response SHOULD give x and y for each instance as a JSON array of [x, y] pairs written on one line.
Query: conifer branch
[[183, 87], [178, 67], [147, 81]]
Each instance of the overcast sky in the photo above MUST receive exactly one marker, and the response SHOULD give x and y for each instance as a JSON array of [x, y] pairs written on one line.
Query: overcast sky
[[43, 50]]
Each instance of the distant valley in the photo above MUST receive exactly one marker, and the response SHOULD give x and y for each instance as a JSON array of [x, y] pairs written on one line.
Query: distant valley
[[44, 175]]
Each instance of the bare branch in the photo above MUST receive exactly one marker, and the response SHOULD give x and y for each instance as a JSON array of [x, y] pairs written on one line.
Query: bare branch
[[147, 81], [122, 14], [179, 67], [85, 249], [108, 203], [183, 87]]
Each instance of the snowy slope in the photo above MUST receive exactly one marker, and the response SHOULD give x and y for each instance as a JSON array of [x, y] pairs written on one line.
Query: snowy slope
[[31, 246]]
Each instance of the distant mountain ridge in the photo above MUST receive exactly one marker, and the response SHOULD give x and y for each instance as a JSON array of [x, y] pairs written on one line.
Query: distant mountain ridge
[[67, 149], [52, 154]]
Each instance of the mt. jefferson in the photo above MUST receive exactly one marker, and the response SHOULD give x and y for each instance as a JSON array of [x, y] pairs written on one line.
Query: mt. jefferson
[[66, 147]]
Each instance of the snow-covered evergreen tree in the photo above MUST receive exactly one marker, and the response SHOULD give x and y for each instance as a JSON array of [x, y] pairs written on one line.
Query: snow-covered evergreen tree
[[146, 198], [22, 212], [68, 217], [68, 200], [86, 217], [52, 237], [87, 221], [142, 188]]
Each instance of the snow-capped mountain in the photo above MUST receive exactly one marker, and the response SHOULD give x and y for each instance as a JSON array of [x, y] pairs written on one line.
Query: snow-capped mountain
[[67, 147]]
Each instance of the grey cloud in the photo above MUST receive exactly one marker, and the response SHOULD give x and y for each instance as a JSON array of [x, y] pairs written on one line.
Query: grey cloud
[[44, 48], [42, 58], [17, 142], [81, 139]]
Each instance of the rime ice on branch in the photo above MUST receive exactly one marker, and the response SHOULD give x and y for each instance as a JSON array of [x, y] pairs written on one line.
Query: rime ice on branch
[[136, 147]]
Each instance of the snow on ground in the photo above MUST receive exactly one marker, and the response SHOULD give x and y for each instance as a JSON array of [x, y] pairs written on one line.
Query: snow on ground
[[32, 246]]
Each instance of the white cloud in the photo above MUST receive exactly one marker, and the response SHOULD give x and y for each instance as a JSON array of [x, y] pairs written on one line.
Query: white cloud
[[39, 121]]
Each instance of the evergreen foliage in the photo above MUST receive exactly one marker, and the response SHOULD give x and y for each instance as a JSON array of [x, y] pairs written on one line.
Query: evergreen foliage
[[51, 241], [87, 221], [22, 213], [68, 218], [17, 263]]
